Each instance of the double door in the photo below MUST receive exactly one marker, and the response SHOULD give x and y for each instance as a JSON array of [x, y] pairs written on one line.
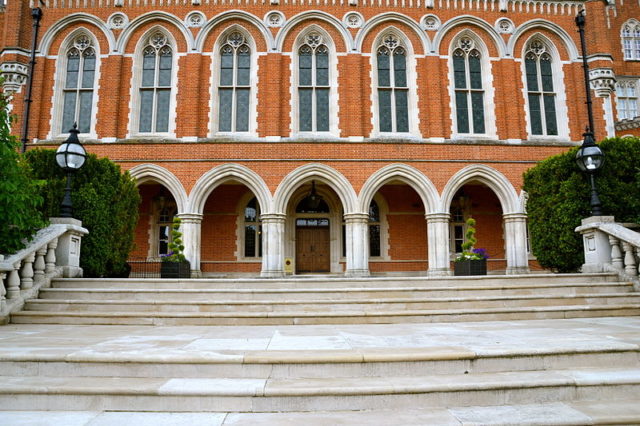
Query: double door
[[312, 245]]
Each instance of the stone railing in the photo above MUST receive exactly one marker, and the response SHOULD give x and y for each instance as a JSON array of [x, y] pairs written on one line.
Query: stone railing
[[610, 246], [53, 252]]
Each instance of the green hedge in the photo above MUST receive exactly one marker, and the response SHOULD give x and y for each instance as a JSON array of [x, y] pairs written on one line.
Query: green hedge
[[105, 199], [19, 193], [559, 195]]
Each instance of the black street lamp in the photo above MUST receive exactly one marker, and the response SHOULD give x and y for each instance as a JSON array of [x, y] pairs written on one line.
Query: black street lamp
[[70, 155], [589, 157], [36, 14]]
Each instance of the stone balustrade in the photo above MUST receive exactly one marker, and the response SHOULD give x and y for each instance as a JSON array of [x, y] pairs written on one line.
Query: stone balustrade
[[610, 246], [53, 252]]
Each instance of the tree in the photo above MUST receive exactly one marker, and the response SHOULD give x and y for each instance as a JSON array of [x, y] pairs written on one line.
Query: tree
[[104, 199], [559, 195], [19, 193]]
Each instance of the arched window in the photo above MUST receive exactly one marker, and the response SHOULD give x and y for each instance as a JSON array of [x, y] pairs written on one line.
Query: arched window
[[627, 99], [540, 90], [155, 85], [374, 229], [630, 36], [234, 89], [469, 93], [164, 223], [393, 91], [79, 80], [313, 84], [252, 229]]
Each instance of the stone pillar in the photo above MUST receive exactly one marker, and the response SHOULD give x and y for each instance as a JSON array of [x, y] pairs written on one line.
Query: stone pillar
[[191, 228], [272, 245], [438, 244], [603, 82], [597, 248], [68, 249], [357, 238], [515, 230]]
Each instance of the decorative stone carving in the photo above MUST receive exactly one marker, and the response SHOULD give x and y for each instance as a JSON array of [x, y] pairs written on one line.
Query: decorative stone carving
[[195, 20], [196, 2], [15, 76], [353, 20], [117, 21], [118, 3], [274, 19], [431, 23], [504, 26], [603, 81]]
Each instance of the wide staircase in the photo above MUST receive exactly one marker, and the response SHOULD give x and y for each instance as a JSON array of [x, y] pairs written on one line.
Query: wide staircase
[[510, 350]]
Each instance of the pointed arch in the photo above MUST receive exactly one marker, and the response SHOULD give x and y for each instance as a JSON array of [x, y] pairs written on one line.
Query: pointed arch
[[313, 14], [472, 20], [405, 173], [147, 172], [328, 175], [81, 17], [488, 176], [155, 16], [226, 172], [391, 17], [569, 45], [203, 34]]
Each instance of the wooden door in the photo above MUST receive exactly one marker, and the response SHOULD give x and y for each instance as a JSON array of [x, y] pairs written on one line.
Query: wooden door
[[312, 249]]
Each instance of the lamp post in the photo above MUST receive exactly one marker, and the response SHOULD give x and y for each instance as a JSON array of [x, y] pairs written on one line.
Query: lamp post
[[589, 157], [70, 156], [36, 14]]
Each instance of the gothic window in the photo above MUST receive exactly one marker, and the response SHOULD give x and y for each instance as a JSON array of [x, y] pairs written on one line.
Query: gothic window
[[540, 90], [630, 36], [252, 229], [79, 80], [627, 97], [155, 85], [469, 93], [234, 87], [393, 91], [374, 229], [313, 84]]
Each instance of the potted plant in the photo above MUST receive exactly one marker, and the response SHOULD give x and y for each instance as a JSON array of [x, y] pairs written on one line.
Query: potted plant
[[472, 261], [174, 264]]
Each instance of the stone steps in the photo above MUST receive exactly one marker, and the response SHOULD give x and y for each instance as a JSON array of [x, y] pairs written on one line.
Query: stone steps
[[314, 394], [301, 305], [321, 317]]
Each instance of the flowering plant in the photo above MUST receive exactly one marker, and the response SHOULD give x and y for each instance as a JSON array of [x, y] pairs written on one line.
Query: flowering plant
[[175, 246], [468, 252]]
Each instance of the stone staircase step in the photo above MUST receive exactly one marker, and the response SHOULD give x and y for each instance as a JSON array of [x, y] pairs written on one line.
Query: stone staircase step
[[314, 394], [322, 317], [300, 364], [327, 282], [274, 305]]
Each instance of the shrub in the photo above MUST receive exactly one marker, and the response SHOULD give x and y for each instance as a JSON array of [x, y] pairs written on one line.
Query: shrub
[[104, 199], [176, 247], [559, 195], [19, 193]]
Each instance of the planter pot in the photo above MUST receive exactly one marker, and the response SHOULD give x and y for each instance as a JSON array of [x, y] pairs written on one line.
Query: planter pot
[[175, 269], [470, 267]]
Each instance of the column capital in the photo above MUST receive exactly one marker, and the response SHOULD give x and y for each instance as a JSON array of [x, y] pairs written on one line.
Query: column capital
[[514, 217], [603, 81], [356, 217], [190, 217], [437, 217], [273, 217]]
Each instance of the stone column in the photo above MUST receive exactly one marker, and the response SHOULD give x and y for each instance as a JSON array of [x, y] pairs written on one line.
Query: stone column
[[357, 238], [515, 230], [68, 248], [438, 244], [603, 82], [272, 245], [191, 236]]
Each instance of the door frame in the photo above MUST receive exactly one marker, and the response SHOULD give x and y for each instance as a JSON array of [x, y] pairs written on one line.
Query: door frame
[[326, 230]]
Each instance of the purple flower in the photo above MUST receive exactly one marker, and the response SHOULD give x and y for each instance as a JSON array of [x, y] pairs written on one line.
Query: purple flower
[[482, 253]]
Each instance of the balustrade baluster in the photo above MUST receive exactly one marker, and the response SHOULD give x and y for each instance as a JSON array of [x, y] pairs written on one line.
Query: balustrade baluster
[[13, 283], [26, 274], [616, 254], [629, 260], [3, 291], [39, 264], [50, 259]]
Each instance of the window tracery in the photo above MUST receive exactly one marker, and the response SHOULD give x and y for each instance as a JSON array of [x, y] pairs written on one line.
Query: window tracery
[[79, 81], [540, 89]]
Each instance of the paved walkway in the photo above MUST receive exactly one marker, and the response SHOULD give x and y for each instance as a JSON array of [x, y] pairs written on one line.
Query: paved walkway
[[113, 343]]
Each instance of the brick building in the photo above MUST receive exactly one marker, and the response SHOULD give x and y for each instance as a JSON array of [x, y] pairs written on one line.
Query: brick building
[[330, 136]]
